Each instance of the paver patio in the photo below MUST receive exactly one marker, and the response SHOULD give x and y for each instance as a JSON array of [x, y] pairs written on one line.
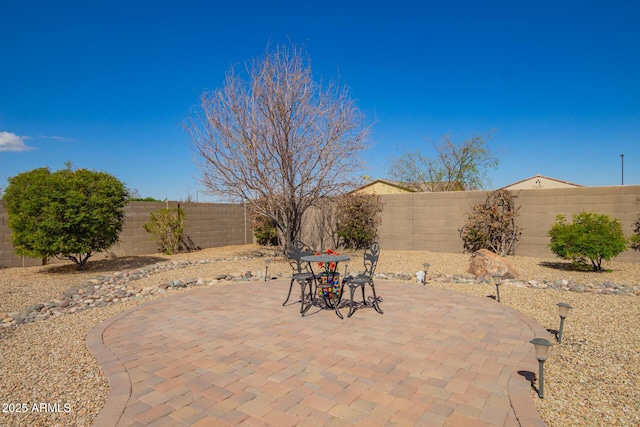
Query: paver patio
[[232, 355]]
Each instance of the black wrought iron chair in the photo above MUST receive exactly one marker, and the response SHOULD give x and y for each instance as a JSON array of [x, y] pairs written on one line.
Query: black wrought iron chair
[[301, 272], [371, 256]]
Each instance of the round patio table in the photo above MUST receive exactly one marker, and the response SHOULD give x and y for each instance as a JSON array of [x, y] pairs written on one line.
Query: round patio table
[[331, 274]]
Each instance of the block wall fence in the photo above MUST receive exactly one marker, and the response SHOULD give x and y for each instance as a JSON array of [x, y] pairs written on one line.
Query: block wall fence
[[414, 221], [430, 221], [207, 225]]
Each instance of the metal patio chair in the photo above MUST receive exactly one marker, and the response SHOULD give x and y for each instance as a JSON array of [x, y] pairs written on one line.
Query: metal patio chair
[[301, 271], [371, 256]]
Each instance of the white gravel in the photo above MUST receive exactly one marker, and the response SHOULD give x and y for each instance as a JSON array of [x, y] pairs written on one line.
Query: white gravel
[[591, 379]]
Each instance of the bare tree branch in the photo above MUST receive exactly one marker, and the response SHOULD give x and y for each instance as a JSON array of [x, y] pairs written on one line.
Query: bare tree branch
[[278, 137], [454, 167]]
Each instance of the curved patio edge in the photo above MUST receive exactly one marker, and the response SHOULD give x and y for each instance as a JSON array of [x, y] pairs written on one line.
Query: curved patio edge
[[520, 388], [117, 375], [120, 385]]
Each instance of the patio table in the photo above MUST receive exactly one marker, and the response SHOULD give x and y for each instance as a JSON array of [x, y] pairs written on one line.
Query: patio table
[[331, 273]]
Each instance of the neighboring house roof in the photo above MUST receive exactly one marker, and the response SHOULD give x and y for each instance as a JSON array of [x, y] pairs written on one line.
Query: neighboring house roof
[[387, 186], [384, 186], [540, 181]]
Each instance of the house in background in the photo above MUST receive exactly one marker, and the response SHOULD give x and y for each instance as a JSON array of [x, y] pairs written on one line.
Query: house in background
[[387, 186], [540, 181], [383, 186]]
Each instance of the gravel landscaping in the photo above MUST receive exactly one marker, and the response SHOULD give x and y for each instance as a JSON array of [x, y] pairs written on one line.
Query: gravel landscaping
[[47, 376]]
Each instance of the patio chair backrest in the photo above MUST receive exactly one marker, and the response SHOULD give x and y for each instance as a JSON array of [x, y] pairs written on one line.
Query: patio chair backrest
[[371, 255], [297, 250]]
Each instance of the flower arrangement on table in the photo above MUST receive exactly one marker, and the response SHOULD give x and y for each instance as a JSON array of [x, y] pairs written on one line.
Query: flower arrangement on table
[[329, 281]]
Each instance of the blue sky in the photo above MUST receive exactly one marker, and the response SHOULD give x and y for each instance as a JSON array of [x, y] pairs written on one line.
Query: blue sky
[[107, 85]]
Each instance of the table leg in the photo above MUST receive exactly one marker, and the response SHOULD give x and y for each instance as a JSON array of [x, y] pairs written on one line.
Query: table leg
[[304, 308]]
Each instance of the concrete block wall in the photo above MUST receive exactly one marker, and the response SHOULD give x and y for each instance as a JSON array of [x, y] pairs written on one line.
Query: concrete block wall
[[430, 221], [413, 221], [207, 225], [540, 207]]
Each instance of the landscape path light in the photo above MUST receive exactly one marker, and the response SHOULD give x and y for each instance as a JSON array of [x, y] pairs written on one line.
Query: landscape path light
[[564, 309], [542, 347], [497, 279], [266, 268], [426, 266]]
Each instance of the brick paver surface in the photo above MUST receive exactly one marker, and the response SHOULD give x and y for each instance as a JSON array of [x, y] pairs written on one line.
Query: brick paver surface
[[233, 355]]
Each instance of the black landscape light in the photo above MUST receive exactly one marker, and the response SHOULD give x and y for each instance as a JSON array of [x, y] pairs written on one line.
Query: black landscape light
[[542, 347], [426, 266], [497, 279], [266, 268], [564, 309]]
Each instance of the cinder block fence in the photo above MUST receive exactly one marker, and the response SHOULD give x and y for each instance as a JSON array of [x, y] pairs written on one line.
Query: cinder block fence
[[207, 225], [430, 221], [413, 221]]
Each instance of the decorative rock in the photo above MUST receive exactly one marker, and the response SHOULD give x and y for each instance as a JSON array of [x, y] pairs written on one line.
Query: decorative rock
[[177, 284], [106, 290], [34, 308], [485, 263]]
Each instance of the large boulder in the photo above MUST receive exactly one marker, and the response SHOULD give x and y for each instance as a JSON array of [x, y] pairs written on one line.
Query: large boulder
[[485, 264]]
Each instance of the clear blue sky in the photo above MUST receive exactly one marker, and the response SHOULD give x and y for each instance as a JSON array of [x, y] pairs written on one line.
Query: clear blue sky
[[107, 85]]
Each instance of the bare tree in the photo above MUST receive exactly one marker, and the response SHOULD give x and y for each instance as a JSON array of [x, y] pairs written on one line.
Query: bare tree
[[455, 167], [278, 136]]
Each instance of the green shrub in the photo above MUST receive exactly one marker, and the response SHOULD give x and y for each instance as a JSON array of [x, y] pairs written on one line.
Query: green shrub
[[166, 227], [591, 236], [492, 225], [264, 229], [634, 240], [357, 219], [69, 214]]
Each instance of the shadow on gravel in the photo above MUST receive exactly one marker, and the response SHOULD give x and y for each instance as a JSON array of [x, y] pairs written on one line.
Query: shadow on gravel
[[566, 266], [105, 265]]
